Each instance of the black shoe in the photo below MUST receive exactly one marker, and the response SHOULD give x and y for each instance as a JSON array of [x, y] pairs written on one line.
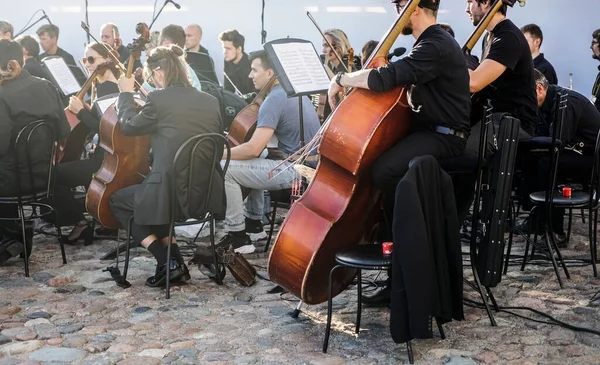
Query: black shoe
[[103, 231], [381, 299], [87, 235], [525, 227], [255, 230], [239, 240], [9, 247], [160, 276]]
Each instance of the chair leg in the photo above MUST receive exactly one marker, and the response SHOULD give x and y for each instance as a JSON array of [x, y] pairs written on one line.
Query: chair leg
[[272, 228], [411, 358], [25, 253], [329, 309], [214, 250], [551, 253], [440, 328], [513, 221], [359, 306], [127, 247], [593, 240], [582, 216], [569, 225]]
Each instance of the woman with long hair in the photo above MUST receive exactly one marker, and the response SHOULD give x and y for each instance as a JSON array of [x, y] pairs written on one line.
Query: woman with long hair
[[70, 211], [173, 113], [338, 39]]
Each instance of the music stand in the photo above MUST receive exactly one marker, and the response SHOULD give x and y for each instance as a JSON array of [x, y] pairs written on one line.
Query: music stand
[[203, 64], [298, 69], [62, 75]]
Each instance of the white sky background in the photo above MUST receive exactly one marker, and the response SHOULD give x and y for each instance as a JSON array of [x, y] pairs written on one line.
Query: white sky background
[[567, 29]]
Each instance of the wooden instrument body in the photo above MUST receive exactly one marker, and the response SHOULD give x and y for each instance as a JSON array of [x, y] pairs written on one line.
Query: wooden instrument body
[[126, 163], [72, 147], [243, 126], [339, 208]]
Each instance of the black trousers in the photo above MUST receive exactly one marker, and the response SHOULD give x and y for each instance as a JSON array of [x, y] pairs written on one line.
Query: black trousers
[[392, 165], [68, 176], [122, 204]]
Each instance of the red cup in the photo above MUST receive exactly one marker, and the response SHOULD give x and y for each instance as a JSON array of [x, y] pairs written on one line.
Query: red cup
[[566, 192], [387, 248]]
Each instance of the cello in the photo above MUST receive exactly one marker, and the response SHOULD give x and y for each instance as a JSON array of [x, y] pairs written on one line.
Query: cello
[[244, 124], [340, 207], [126, 159], [72, 147]]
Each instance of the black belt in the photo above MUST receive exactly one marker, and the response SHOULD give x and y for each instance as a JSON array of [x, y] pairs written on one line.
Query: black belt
[[452, 132]]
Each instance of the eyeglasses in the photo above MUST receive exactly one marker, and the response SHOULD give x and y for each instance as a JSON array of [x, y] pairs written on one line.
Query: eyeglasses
[[91, 60], [150, 78]]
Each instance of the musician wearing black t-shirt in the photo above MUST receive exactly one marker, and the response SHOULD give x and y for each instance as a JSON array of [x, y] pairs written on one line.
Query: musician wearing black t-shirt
[[535, 38], [596, 55], [506, 67]]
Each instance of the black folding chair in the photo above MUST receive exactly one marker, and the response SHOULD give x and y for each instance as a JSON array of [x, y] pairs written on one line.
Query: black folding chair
[[31, 193], [188, 153]]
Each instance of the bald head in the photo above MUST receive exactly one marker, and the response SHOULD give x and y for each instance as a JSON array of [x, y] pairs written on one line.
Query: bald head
[[110, 35], [193, 37]]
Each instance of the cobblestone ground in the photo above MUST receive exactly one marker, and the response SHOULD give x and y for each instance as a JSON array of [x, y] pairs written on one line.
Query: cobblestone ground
[[75, 314]]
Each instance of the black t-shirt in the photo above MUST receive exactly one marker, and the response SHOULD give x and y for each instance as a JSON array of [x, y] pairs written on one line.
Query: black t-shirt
[[514, 91], [240, 75], [438, 77], [541, 64], [35, 68], [69, 60], [581, 119], [596, 90]]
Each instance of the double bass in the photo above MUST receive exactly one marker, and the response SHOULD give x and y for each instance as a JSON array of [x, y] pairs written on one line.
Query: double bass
[[72, 147], [126, 159], [340, 207]]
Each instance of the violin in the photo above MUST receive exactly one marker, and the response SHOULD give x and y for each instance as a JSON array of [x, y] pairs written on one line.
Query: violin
[[340, 208], [126, 159], [71, 148]]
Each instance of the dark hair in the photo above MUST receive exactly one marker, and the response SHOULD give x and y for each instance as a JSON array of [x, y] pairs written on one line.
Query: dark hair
[[102, 49], [540, 79], [596, 34], [6, 27], [503, 8], [174, 33], [535, 31], [265, 61], [11, 60], [51, 29], [367, 49], [30, 44], [234, 37], [171, 60], [447, 28]]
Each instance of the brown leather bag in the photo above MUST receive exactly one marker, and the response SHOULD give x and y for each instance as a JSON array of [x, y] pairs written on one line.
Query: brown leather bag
[[239, 267]]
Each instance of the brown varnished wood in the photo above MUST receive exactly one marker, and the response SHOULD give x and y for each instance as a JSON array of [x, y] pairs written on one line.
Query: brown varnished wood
[[340, 208]]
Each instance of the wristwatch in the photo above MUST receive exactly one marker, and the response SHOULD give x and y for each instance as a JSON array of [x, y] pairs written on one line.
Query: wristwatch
[[338, 78]]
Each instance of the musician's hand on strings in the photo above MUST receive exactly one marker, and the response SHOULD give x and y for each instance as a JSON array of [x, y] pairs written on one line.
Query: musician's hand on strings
[[75, 105], [126, 85], [334, 90]]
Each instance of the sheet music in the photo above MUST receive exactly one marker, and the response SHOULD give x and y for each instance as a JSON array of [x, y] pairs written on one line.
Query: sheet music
[[104, 104], [62, 75], [302, 66]]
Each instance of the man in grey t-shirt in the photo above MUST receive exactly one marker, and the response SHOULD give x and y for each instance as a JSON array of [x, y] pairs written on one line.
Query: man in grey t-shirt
[[278, 115]]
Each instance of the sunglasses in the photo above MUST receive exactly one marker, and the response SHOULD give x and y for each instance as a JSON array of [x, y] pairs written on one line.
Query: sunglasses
[[91, 60]]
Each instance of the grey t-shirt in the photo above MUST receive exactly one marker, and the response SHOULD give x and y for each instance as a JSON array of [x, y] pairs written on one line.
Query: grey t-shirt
[[281, 113]]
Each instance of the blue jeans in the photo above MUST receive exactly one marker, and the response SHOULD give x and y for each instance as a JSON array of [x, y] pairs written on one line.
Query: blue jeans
[[252, 174]]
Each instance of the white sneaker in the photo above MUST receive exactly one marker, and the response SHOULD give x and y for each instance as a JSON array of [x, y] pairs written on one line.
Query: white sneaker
[[245, 249], [260, 236]]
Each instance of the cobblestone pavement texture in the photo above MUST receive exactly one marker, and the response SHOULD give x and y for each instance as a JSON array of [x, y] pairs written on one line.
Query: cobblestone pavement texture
[[75, 314]]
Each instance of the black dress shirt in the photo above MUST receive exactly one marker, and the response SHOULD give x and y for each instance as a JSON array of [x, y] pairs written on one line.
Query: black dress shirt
[[69, 60], [23, 100], [35, 68], [542, 65], [581, 119], [240, 75], [596, 90], [436, 72], [123, 53]]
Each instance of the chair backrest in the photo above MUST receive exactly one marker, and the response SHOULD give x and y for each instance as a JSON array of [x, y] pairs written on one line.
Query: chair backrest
[[35, 160], [556, 148], [595, 178], [198, 176]]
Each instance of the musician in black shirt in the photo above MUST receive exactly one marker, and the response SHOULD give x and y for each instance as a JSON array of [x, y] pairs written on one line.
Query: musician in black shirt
[[31, 51], [23, 99], [506, 66], [436, 75], [237, 63], [48, 34], [535, 37]]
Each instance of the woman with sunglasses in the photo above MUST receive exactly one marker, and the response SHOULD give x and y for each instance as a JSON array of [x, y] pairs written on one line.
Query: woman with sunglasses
[[174, 112], [79, 173]]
